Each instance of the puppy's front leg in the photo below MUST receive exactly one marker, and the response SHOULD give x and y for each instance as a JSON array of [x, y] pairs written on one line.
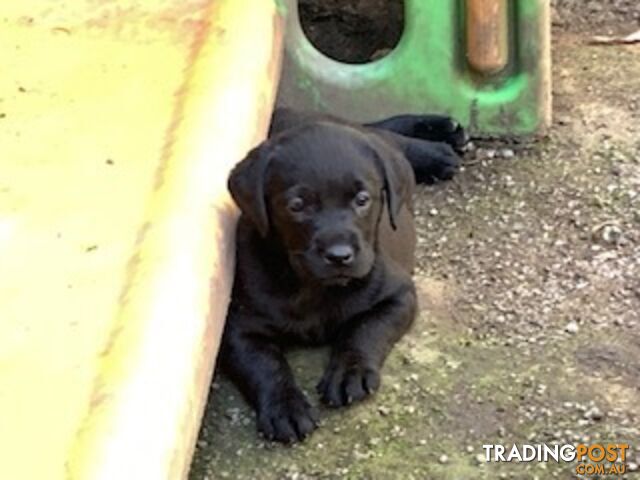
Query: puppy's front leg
[[356, 359], [260, 370]]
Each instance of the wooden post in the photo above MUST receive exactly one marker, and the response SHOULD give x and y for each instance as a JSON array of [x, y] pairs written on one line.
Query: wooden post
[[487, 35]]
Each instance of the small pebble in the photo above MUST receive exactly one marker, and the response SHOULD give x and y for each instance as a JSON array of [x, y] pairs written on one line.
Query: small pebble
[[612, 234], [572, 327], [508, 153], [384, 411], [594, 413]]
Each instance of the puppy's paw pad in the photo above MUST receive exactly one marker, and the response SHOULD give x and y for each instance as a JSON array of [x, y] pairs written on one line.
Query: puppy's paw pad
[[287, 417], [342, 385]]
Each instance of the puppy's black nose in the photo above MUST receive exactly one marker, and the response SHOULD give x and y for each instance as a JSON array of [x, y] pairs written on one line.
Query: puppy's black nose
[[340, 255]]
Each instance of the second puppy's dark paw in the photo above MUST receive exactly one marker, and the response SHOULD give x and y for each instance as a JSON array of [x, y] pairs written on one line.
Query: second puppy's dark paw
[[286, 417]]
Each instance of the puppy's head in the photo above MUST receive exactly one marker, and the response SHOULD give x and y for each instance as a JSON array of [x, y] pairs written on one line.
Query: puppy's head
[[321, 191]]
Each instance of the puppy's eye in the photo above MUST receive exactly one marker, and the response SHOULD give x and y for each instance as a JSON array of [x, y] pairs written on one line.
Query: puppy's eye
[[362, 199], [296, 205]]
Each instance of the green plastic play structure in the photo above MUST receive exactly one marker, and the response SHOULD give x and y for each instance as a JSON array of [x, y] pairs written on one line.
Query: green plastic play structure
[[430, 70]]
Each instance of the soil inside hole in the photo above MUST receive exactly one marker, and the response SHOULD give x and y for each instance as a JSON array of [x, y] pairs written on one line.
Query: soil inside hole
[[353, 31]]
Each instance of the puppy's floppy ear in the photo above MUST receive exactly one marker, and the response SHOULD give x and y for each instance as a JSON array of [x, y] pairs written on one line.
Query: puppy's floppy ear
[[397, 175], [246, 184]]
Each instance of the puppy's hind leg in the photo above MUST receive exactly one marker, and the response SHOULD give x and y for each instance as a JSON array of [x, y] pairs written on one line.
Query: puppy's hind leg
[[435, 128], [429, 160]]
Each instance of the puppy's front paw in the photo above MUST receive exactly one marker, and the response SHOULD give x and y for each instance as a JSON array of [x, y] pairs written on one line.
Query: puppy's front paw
[[286, 417], [346, 381], [439, 128]]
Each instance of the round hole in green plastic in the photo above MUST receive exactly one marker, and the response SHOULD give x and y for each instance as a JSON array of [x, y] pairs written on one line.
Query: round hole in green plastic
[[353, 31]]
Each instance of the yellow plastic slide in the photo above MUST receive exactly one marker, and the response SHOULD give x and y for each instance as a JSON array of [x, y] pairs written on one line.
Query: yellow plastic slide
[[119, 121]]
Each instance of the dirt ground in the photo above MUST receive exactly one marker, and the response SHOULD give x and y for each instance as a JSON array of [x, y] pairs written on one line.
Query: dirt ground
[[529, 280]]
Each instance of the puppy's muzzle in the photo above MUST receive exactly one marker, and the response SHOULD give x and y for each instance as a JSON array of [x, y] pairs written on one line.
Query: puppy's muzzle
[[339, 255]]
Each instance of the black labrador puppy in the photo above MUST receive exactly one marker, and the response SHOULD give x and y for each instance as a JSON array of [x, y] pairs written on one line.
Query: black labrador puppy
[[325, 250]]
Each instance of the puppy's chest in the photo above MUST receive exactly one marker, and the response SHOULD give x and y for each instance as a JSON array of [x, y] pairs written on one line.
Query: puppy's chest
[[316, 318]]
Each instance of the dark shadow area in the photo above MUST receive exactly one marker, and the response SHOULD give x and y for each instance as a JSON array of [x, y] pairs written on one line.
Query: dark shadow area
[[353, 31]]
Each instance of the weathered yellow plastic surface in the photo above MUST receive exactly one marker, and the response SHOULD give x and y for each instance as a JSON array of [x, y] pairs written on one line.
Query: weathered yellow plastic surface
[[119, 121]]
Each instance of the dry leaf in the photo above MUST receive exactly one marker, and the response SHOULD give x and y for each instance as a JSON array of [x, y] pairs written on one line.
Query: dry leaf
[[604, 40]]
